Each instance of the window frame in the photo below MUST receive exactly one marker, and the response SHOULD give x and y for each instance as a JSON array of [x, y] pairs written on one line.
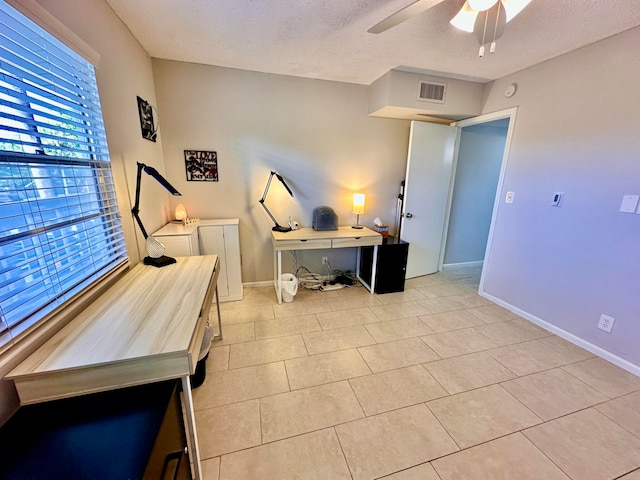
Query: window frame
[[56, 314]]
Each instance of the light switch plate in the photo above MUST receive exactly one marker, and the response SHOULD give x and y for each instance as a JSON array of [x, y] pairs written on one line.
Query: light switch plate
[[509, 197], [629, 203]]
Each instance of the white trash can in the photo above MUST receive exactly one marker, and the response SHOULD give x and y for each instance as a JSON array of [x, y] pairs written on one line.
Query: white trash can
[[289, 287]]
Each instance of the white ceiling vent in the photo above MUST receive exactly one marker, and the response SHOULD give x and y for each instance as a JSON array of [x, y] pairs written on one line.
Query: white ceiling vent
[[431, 91]]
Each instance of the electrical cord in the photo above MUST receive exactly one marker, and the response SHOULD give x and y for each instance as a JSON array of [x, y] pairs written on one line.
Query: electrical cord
[[313, 281], [306, 278]]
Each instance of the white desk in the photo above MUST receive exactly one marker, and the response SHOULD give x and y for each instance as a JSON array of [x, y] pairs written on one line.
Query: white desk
[[310, 239], [147, 327]]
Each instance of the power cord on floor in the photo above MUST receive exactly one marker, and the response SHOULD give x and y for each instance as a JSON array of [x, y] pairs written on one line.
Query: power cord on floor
[[314, 281], [306, 278]]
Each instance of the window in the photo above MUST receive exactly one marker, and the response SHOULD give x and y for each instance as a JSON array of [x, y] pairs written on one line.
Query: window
[[59, 223]]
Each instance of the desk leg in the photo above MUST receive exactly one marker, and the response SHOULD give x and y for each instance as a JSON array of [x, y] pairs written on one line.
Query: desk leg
[[191, 427], [277, 268], [374, 267], [219, 336]]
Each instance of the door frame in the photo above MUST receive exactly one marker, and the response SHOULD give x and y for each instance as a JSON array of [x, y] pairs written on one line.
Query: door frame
[[509, 113]]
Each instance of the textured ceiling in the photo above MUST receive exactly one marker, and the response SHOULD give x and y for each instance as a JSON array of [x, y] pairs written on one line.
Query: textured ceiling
[[328, 39]]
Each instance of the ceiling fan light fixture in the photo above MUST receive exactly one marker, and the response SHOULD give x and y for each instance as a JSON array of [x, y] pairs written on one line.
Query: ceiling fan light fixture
[[514, 7], [466, 18], [481, 5]]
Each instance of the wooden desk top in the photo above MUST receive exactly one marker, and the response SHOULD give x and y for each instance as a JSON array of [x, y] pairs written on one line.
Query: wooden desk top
[[344, 232], [145, 328]]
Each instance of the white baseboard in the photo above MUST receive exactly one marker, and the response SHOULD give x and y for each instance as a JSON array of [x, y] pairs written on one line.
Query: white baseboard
[[463, 264], [266, 283], [570, 337]]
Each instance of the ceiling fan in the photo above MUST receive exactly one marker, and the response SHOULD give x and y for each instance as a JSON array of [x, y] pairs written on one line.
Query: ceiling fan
[[484, 17]]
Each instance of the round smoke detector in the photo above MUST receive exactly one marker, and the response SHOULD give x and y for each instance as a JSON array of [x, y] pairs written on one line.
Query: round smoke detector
[[510, 90]]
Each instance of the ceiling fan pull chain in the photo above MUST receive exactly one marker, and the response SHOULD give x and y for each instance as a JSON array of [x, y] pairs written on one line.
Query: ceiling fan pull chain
[[484, 33], [492, 48]]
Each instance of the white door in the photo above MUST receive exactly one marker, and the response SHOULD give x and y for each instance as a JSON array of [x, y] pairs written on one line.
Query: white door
[[426, 194]]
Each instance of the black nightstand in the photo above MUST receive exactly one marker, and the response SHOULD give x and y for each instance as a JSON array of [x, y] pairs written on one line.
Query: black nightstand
[[391, 268]]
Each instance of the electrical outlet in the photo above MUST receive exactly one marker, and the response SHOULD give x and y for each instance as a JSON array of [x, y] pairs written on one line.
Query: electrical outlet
[[606, 323], [325, 260]]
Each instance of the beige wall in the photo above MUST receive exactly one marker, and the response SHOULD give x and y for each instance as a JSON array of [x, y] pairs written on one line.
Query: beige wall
[[576, 131], [124, 72], [314, 133]]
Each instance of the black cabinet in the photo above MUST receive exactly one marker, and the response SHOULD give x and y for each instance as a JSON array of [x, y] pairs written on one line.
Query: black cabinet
[[391, 266], [130, 433]]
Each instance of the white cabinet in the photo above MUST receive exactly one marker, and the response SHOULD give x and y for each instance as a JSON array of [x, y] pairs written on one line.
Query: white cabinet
[[221, 237], [209, 237], [179, 240]]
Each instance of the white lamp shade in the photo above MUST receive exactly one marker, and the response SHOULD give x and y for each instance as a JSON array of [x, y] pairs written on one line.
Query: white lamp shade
[[358, 203], [181, 212], [482, 5], [465, 19]]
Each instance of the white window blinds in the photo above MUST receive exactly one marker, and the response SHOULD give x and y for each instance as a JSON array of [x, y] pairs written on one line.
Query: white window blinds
[[59, 223]]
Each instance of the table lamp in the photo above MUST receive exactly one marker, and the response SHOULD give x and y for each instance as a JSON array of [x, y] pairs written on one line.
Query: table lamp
[[358, 208], [155, 250], [180, 213], [277, 227]]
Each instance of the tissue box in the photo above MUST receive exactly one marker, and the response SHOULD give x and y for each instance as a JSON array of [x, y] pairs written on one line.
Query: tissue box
[[382, 230]]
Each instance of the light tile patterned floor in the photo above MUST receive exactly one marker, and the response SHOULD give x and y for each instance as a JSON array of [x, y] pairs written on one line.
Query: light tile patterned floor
[[434, 383]]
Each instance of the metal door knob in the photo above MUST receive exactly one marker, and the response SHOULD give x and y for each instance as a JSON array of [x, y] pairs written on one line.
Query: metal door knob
[[408, 215]]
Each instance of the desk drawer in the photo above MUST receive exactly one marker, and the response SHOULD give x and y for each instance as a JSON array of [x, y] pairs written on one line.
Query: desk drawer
[[303, 244], [356, 241]]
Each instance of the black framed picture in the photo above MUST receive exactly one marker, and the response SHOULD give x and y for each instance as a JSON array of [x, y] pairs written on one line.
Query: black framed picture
[[145, 111], [201, 165]]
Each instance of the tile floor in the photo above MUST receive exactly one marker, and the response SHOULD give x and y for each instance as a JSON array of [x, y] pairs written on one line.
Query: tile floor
[[434, 383]]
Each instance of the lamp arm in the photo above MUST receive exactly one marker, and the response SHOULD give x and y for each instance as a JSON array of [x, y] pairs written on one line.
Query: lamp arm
[[136, 207], [269, 213], [277, 227], [266, 189], [264, 197]]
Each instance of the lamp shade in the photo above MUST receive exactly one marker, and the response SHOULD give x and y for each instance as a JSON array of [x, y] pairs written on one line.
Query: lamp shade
[[482, 5], [358, 203], [181, 212]]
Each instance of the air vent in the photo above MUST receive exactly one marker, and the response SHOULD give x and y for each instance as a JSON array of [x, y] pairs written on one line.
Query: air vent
[[431, 92]]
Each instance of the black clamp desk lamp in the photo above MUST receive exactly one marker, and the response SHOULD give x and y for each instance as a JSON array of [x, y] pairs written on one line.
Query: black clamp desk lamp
[[277, 227], [155, 249]]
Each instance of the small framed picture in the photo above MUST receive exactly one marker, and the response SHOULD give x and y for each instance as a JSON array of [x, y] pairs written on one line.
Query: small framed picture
[[201, 165], [145, 111]]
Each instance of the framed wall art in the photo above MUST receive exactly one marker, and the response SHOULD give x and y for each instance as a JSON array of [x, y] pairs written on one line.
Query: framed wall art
[[201, 165], [145, 112]]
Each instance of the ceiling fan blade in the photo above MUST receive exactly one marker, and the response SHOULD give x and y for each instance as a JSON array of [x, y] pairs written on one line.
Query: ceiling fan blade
[[514, 7], [401, 15]]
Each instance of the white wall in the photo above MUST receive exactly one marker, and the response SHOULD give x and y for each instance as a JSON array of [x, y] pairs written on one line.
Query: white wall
[[395, 95], [477, 170], [576, 131], [316, 134], [124, 72]]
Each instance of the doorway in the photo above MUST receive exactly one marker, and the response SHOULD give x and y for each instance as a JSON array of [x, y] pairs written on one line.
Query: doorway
[[476, 177], [490, 135], [427, 212]]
